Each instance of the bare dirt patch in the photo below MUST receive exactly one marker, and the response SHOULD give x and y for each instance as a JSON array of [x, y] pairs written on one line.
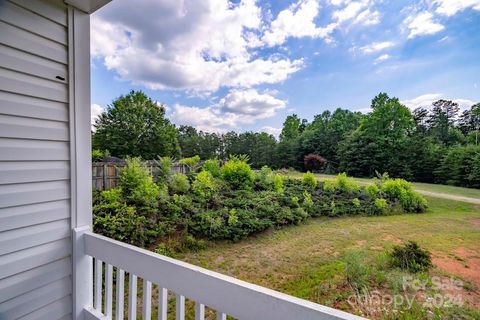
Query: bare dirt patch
[[464, 264], [391, 238], [475, 222]]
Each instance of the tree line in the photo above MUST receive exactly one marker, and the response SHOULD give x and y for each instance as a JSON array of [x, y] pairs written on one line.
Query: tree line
[[435, 143]]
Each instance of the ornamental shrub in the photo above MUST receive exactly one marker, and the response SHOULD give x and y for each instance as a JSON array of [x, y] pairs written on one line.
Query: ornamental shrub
[[381, 206], [372, 190], [179, 183], [138, 188], [411, 257], [401, 191], [266, 179], [212, 166], [329, 186], [163, 169], [308, 203], [204, 185], [238, 174], [309, 179], [314, 162], [113, 218], [192, 163], [346, 184]]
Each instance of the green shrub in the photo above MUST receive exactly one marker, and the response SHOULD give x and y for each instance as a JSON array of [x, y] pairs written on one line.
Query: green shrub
[[372, 190], [381, 206], [193, 163], [204, 185], [346, 184], [401, 191], [238, 174], [309, 179], [266, 179], [329, 186], [113, 218], [163, 169], [356, 202], [411, 257], [308, 203], [99, 155], [190, 243], [165, 250], [179, 183], [137, 185], [126, 226], [212, 166]]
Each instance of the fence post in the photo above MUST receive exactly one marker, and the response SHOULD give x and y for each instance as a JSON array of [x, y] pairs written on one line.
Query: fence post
[[105, 168]]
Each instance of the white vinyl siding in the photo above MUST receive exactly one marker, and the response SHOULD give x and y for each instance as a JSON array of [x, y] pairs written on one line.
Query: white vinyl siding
[[35, 208]]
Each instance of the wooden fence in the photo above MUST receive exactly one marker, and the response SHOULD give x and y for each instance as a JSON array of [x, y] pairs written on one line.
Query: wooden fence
[[105, 175]]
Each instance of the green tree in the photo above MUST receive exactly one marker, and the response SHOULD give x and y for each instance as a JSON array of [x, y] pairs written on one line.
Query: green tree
[[288, 148], [135, 125], [326, 130], [469, 123], [441, 122], [381, 141]]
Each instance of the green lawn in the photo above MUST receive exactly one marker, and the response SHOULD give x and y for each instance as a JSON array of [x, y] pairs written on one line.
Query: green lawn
[[457, 191], [308, 261]]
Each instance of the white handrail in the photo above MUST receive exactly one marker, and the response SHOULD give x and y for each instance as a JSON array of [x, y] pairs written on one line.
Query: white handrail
[[234, 297]]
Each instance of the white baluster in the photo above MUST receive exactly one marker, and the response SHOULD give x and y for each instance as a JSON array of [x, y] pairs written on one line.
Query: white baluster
[[221, 316], [180, 306], [147, 300], [109, 291], [120, 294], [132, 297], [162, 303], [199, 311], [98, 285]]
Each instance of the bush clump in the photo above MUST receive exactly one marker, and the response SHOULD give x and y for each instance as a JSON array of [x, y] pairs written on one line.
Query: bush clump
[[129, 212], [309, 180], [411, 257], [232, 202], [401, 191], [204, 185], [238, 174], [266, 179], [164, 169], [212, 166], [342, 183], [137, 185], [179, 183]]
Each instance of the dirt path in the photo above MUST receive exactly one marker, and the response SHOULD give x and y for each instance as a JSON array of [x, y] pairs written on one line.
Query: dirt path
[[448, 196]]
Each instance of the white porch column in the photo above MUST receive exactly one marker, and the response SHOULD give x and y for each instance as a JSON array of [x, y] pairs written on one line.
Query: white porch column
[[80, 149]]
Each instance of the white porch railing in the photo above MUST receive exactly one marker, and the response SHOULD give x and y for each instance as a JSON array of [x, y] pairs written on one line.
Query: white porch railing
[[226, 295]]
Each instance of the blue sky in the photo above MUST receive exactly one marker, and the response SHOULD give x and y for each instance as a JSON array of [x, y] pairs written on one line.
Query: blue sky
[[224, 65]]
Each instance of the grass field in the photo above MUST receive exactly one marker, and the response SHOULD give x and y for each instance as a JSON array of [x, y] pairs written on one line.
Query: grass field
[[310, 260], [429, 187]]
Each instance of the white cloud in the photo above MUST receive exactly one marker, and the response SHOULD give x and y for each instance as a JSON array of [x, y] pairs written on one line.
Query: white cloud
[[428, 99], [377, 46], [251, 103], [296, 21], [196, 45], [451, 7], [351, 10], [422, 24], [273, 131], [383, 57], [367, 17], [96, 110], [238, 107]]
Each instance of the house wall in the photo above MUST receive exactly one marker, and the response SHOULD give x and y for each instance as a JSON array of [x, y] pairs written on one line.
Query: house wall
[[35, 161]]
